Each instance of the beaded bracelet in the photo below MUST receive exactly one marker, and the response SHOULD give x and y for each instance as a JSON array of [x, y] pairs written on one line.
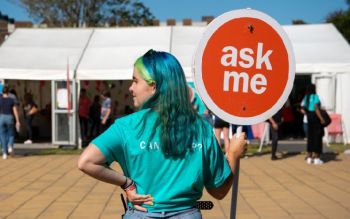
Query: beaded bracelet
[[128, 187], [125, 184]]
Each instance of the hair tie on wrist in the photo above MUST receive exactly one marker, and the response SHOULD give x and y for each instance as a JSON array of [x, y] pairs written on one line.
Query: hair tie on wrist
[[129, 187], [125, 184]]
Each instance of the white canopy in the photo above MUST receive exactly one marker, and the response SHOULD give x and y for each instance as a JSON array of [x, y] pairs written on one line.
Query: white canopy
[[184, 44], [42, 54], [111, 53], [108, 54], [319, 48]]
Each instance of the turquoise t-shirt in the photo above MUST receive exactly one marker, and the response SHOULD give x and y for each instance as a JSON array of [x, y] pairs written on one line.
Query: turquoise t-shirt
[[175, 184], [314, 99]]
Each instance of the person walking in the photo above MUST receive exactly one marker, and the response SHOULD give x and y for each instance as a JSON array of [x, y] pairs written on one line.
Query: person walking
[[8, 120], [315, 132], [11, 143], [167, 152]]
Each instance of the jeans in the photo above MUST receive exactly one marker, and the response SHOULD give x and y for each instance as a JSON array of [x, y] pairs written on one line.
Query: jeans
[[6, 130], [83, 127], [305, 129], [192, 213], [274, 138], [29, 120]]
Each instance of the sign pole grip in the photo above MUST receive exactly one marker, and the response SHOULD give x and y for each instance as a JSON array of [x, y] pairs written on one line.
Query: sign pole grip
[[235, 182]]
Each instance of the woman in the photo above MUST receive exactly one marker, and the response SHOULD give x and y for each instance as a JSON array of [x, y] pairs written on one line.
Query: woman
[[311, 103], [8, 110], [167, 152], [30, 109]]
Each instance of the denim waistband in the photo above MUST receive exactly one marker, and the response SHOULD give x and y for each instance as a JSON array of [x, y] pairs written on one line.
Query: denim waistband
[[191, 213]]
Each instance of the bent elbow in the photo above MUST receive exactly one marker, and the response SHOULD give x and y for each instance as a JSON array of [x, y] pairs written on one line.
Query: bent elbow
[[82, 164], [219, 196]]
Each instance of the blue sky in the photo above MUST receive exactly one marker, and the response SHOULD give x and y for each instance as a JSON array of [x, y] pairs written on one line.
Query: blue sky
[[284, 11]]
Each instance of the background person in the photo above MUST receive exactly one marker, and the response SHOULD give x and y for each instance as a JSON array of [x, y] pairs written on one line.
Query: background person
[[30, 109], [315, 130], [8, 120], [275, 123], [95, 117], [10, 147], [221, 126], [106, 110], [83, 111], [168, 153]]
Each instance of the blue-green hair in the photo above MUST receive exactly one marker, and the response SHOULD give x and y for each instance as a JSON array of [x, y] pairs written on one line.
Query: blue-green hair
[[171, 100]]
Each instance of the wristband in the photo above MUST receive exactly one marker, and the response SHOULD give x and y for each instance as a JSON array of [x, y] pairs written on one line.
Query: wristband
[[126, 186], [130, 187]]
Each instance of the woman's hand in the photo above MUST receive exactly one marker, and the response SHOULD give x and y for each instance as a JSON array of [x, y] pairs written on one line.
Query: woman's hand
[[137, 200], [275, 126], [238, 146], [18, 126]]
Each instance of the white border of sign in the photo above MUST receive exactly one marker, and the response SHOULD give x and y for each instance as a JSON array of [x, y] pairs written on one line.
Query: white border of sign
[[197, 70]]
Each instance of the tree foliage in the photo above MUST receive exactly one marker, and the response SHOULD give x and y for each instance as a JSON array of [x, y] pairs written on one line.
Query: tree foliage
[[89, 13], [341, 19], [298, 21]]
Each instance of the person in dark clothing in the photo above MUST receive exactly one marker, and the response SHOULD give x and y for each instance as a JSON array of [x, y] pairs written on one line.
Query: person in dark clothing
[[275, 123], [94, 115], [84, 104], [8, 112], [312, 104], [10, 147], [30, 109]]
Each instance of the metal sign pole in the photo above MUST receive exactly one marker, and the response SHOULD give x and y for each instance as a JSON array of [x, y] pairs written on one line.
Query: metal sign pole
[[234, 192], [235, 182]]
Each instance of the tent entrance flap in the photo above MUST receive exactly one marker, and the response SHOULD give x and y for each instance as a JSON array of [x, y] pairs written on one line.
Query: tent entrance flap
[[64, 113]]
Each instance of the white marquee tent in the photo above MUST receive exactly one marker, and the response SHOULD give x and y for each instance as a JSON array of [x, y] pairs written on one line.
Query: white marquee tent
[[108, 54]]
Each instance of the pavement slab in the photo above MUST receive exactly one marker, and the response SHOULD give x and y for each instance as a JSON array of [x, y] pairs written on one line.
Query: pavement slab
[[51, 186]]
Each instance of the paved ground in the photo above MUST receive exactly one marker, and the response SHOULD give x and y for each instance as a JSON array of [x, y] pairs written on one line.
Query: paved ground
[[52, 187]]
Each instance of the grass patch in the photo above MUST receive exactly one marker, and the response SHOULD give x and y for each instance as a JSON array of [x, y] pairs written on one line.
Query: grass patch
[[253, 149], [59, 151], [339, 148]]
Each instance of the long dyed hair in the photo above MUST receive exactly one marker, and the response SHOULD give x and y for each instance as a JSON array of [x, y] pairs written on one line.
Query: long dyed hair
[[177, 117]]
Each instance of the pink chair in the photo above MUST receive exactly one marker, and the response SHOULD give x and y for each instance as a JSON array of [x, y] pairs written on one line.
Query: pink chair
[[335, 129]]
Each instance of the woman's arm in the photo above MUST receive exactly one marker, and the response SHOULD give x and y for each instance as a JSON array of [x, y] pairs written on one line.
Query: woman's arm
[[104, 120], [15, 113], [93, 163], [237, 148]]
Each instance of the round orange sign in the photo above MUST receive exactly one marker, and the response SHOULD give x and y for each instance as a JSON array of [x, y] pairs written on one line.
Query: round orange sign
[[244, 67]]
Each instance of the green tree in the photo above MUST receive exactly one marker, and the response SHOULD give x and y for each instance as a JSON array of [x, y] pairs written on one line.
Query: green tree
[[89, 13], [341, 19], [298, 21]]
